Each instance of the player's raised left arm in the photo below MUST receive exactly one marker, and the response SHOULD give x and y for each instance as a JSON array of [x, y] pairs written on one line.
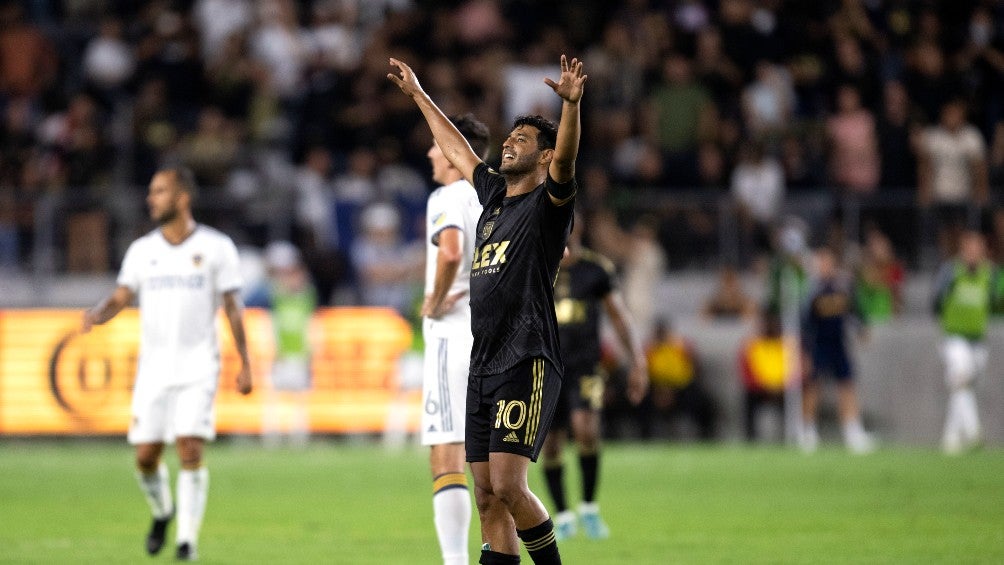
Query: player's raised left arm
[[453, 143], [233, 306], [570, 88], [620, 318]]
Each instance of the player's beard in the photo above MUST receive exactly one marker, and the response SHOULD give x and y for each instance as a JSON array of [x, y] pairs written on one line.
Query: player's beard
[[521, 165], [166, 216]]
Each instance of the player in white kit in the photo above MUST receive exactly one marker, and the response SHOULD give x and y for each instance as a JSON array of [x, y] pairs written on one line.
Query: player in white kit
[[451, 222], [182, 272]]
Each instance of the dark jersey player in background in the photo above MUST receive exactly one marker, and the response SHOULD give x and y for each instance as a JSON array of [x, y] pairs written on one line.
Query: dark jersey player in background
[[585, 285], [830, 309], [515, 362]]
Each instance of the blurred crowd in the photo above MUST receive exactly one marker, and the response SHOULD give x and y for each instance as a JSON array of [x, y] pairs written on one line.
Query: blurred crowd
[[697, 112]]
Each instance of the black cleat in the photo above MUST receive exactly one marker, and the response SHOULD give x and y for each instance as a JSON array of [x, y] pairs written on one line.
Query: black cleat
[[155, 539], [185, 552]]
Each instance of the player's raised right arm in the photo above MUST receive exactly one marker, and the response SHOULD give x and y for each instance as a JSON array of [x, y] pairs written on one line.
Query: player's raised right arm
[[107, 308], [450, 140]]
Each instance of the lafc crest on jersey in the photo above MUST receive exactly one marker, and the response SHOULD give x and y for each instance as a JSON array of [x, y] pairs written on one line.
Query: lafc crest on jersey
[[486, 230], [197, 259]]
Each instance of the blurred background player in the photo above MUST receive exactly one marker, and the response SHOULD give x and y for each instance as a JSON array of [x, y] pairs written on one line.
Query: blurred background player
[[585, 283], [181, 271], [829, 311], [291, 299], [451, 222], [966, 293]]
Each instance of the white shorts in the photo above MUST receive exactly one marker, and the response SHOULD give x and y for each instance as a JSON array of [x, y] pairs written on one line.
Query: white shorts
[[162, 413], [291, 375], [965, 361], [447, 365]]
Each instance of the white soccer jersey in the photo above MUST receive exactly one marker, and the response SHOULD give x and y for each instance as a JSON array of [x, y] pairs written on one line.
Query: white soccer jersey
[[454, 205], [180, 289]]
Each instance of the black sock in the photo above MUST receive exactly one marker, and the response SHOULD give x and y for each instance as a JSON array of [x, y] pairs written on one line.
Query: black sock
[[556, 486], [489, 557], [590, 465], [541, 544]]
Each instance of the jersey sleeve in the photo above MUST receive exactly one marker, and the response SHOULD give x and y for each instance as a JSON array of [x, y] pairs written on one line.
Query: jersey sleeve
[[129, 275], [446, 212], [487, 182], [228, 273], [563, 192]]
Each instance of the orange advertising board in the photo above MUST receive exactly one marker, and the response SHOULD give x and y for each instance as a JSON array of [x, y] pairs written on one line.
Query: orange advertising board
[[56, 381]]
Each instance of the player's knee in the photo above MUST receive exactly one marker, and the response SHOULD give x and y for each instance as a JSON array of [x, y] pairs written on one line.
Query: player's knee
[[508, 490]]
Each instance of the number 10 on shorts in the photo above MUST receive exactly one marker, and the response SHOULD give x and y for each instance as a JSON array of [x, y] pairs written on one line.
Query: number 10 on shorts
[[511, 413]]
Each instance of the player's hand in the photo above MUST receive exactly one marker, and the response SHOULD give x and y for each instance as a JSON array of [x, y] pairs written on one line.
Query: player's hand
[[407, 82], [436, 312], [637, 385], [89, 321], [570, 84], [244, 385]]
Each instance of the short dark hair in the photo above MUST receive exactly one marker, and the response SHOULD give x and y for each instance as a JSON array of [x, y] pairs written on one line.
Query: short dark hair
[[474, 131], [548, 136], [184, 178]]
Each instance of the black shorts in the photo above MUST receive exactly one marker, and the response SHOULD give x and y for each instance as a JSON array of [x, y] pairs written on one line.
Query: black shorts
[[511, 412], [581, 389]]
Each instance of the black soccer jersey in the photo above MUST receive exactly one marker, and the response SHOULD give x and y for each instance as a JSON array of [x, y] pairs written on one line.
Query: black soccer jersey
[[518, 245], [578, 294]]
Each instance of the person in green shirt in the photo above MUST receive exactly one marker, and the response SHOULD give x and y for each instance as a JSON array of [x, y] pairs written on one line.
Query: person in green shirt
[[966, 294], [291, 301]]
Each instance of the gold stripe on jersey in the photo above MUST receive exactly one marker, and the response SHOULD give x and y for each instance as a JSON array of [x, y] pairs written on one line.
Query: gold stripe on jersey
[[448, 481], [541, 542], [536, 397]]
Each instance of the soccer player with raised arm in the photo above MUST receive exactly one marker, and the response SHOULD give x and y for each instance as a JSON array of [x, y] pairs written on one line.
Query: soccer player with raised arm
[[450, 222], [181, 272], [516, 368]]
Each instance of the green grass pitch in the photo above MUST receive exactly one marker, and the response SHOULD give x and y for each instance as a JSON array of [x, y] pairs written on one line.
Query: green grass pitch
[[355, 503]]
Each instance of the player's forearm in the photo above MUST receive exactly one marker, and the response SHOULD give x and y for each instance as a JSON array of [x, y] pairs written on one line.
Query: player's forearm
[[567, 145], [446, 273], [235, 316], [452, 143], [104, 311], [620, 318], [109, 307]]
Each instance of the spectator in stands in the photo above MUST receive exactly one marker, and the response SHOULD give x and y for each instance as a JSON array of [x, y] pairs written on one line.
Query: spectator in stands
[[952, 174], [681, 113], [854, 158], [765, 367], [768, 102], [878, 285], [729, 301], [388, 268], [211, 151], [758, 192], [676, 388], [28, 60]]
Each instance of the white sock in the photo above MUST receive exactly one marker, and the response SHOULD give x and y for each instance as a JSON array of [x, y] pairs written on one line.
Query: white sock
[[853, 430], [589, 508], [452, 515], [193, 489], [951, 437], [969, 416], [157, 490]]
